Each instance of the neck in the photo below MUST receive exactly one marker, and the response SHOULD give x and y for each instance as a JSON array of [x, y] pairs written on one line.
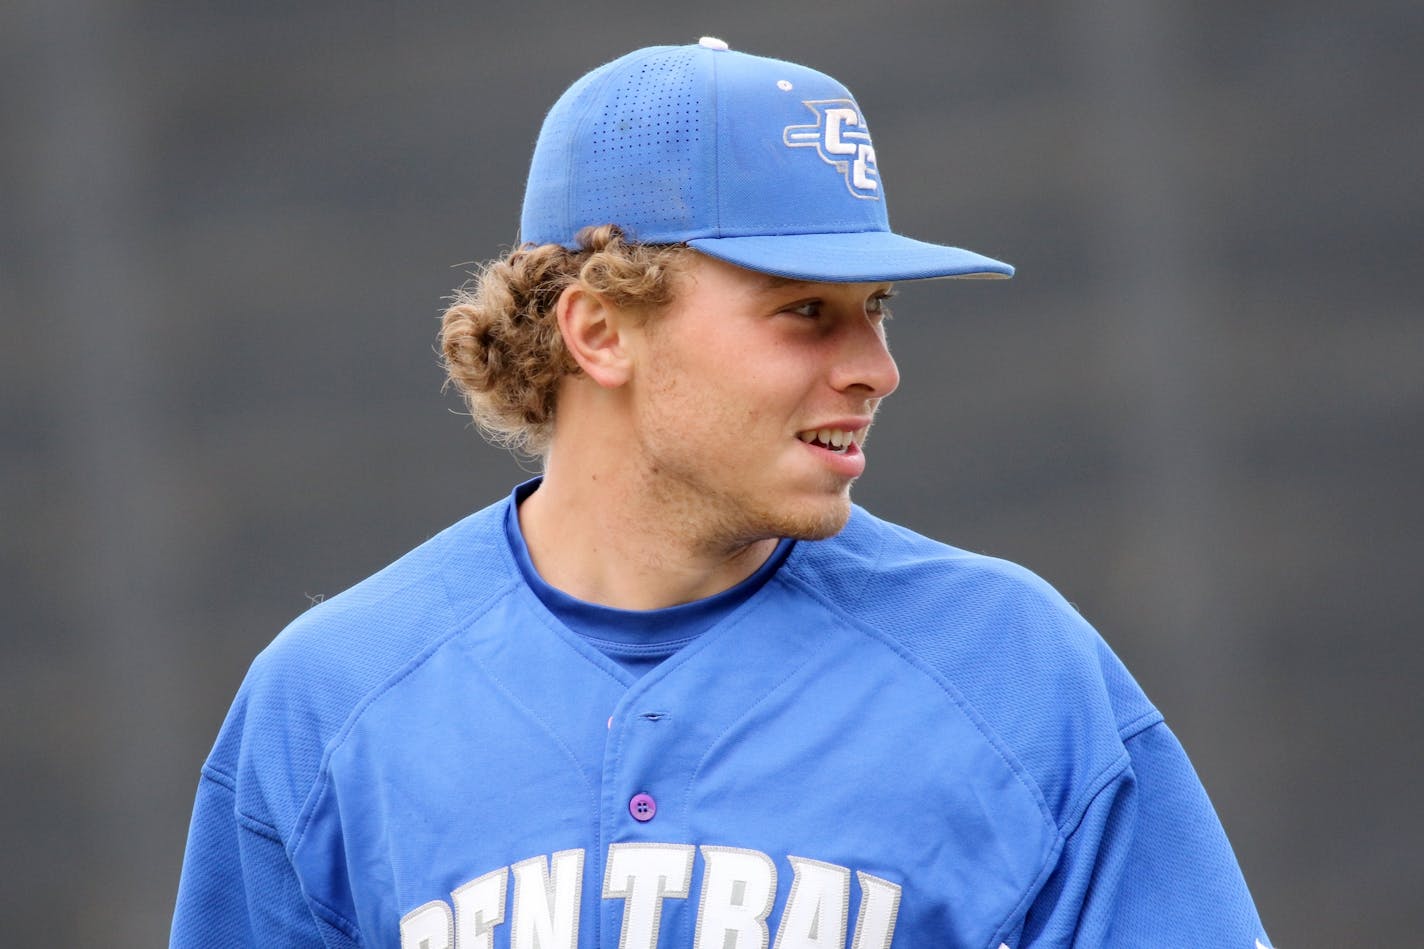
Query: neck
[[594, 532]]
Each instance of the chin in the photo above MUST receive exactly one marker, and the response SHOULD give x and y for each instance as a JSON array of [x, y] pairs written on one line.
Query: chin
[[817, 521], [767, 514]]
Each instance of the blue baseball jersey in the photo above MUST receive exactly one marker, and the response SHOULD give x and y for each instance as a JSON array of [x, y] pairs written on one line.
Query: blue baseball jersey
[[891, 743]]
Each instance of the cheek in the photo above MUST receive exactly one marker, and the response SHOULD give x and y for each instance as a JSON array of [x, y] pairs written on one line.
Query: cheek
[[707, 388], [691, 383]]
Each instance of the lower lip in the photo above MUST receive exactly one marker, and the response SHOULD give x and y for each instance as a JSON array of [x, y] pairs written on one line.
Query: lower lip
[[849, 463]]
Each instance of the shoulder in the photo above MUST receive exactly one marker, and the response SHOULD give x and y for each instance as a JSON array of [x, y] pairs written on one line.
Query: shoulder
[[1027, 662], [364, 633], [305, 686]]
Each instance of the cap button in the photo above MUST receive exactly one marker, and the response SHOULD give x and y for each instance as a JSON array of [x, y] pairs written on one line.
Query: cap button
[[712, 42]]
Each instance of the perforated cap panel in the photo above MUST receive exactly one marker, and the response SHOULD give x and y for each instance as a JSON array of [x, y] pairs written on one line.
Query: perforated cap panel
[[624, 145], [652, 114]]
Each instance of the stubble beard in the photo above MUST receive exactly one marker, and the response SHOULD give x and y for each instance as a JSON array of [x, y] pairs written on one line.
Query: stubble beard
[[724, 523], [708, 507], [722, 516], [817, 522]]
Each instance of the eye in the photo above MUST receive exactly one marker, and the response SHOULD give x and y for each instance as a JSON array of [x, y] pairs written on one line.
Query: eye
[[809, 308], [879, 305]]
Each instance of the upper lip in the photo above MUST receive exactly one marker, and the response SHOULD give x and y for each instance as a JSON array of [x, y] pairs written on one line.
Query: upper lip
[[850, 424], [856, 426]]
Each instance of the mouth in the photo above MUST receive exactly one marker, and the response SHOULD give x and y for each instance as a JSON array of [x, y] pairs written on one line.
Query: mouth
[[841, 441]]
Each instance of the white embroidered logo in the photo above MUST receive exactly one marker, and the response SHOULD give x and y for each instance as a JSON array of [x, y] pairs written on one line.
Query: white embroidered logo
[[842, 139]]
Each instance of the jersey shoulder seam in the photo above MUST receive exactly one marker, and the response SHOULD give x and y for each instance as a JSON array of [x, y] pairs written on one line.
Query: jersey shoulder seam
[[319, 786], [1131, 729], [960, 701]]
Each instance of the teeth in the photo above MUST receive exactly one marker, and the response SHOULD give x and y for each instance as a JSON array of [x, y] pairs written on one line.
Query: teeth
[[835, 438]]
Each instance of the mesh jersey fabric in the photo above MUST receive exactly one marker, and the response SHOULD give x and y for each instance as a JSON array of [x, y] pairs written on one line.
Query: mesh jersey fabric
[[952, 730]]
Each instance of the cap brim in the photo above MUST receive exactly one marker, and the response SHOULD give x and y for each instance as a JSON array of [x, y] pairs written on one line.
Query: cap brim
[[860, 257]]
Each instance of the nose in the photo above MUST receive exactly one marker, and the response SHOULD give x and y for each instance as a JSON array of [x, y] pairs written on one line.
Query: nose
[[864, 362]]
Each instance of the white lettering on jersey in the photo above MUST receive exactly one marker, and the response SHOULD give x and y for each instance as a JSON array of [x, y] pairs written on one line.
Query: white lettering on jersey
[[738, 887], [644, 875], [428, 927], [879, 906], [546, 904], [818, 909], [738, 892], [479, 908], [841, 138]]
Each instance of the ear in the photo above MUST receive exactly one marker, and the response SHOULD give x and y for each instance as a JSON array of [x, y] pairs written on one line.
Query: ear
[[594, 332]]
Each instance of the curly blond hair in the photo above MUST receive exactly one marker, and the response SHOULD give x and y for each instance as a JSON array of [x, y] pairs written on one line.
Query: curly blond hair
[[500, 337]]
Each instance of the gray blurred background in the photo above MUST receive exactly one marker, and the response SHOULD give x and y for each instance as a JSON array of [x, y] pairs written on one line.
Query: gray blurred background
[[225, 232]]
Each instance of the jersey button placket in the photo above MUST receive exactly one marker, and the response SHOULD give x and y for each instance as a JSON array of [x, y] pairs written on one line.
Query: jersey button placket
[[648, 758]]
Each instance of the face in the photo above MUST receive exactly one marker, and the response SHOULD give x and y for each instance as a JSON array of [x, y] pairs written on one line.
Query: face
[[752, 397]]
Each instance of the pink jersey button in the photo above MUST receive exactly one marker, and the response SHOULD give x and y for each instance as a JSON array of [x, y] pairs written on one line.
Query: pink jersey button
[[642, 807]]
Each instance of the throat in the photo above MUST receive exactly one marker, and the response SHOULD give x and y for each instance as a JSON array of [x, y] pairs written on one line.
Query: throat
[[628, 561]]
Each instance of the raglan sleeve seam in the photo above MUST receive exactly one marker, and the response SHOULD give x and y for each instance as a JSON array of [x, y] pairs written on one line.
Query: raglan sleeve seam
[[265, 830], [336, 920], [965, 706], [1104, 781], [364, 701]]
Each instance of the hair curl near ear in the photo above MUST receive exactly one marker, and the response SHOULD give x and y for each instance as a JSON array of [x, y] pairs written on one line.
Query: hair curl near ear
[[500, 338]]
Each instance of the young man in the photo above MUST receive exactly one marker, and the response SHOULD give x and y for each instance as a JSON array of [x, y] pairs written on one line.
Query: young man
[[679, 691]]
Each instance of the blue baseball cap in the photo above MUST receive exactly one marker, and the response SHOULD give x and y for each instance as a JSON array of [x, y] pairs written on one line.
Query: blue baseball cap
[[758, 162]]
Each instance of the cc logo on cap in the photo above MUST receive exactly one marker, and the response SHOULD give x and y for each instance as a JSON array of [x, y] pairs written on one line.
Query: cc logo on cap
[[842, 139]]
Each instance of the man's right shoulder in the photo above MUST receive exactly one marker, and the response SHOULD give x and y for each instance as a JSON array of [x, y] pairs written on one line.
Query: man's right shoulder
[[309, 682], [382, 622]]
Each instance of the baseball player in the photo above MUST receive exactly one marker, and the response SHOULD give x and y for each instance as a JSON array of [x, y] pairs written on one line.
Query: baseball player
[[678, 691]]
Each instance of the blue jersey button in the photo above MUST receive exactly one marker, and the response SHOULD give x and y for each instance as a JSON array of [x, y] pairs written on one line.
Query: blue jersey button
[[642, 807]]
